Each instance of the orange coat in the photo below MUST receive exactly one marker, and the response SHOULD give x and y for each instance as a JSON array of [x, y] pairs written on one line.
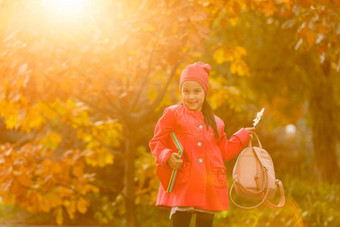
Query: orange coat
[[201, 182]]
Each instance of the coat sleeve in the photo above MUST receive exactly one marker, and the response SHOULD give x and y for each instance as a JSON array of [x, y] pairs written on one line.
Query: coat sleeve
[[232, 147], [159, 143]]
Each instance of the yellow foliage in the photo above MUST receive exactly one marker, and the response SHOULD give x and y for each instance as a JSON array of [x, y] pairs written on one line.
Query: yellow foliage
[[59, 216], [88, 188], [232, 10], [51, 140], [84, 136], [234, 57], [12, 122], [219, 56], [221, 93], [82, 205], [233, 21], [33, 119], [99, 157], [46, 110], [18, 114]]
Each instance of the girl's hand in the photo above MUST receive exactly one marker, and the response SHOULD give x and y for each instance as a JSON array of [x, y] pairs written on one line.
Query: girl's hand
[[250, 130], [174, 162]]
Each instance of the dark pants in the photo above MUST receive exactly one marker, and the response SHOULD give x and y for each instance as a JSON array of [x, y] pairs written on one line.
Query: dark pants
[[182, 219]]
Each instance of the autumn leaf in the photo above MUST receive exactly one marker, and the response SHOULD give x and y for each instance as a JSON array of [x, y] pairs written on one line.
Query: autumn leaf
[[33, 119], [82, 205], [56, 167], [308, 35], [25, 180], [59, 216], [99, 157], [12, 121], [235, 57], [64, 192], [88, 188], [269, 8], [219, 56], [78, 169], [51, 140], [71, 208], [44, 204], [258, 117]]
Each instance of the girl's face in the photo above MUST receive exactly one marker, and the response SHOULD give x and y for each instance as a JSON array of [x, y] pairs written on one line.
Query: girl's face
[[193, 95]]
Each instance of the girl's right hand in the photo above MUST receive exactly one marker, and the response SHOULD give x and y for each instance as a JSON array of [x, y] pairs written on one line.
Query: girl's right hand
[[174, 161]]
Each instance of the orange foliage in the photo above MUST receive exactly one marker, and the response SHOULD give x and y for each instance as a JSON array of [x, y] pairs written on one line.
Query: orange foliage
[[116, 66], [316, 21], [31, 179]]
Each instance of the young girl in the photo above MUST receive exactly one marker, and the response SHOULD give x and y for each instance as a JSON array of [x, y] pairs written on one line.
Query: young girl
[[200, 186]]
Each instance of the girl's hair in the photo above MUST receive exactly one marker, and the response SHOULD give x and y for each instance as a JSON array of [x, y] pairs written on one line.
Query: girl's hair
[[209, 117]]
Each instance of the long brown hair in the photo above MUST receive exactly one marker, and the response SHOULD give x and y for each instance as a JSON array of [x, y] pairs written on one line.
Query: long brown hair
[[209, 117]]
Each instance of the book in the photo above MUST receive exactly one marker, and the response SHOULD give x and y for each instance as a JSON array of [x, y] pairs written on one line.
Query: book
[[166, 175]]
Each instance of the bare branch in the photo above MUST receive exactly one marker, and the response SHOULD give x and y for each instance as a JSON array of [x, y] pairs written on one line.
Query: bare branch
[[163, 91], [216, 14], [103, 94], [148, 71], [90, 104]]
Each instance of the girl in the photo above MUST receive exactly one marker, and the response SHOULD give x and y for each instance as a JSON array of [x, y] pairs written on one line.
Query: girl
[[201, 185]]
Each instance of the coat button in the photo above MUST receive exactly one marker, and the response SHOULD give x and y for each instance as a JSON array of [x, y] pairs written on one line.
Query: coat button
[[199, 144], [200, 160], [201, 126]]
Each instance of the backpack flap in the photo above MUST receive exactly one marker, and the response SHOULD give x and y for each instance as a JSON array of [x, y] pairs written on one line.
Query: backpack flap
[[246, 172], [267, 163]]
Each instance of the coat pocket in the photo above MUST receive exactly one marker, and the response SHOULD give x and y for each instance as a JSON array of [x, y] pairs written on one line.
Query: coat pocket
[[183, 173], [219, 178]]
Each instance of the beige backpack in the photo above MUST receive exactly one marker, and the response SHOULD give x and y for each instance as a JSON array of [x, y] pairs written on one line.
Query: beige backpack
[[254, 177]]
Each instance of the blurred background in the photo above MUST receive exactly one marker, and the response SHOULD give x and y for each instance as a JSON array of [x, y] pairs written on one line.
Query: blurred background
[[83, 83]]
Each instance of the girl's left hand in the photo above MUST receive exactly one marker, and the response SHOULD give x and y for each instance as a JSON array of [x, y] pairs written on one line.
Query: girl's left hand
[[250, 130]]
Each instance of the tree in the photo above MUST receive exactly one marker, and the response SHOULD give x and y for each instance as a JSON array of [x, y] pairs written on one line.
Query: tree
[[110, 74], [104, 69], [308, 35]]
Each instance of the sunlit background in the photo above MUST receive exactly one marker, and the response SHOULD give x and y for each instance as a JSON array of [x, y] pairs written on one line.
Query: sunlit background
[[83, 83], [66, 8]]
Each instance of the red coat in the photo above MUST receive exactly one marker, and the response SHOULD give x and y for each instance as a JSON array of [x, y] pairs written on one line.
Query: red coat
[[201, 182]]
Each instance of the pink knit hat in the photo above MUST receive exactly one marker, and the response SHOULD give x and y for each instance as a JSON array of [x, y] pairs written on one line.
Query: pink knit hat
[[198, 72]]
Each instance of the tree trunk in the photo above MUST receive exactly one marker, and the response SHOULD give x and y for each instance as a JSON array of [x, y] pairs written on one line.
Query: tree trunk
[[129, 180], [322, 110]]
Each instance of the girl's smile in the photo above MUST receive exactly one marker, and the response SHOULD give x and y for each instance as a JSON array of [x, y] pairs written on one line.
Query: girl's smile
[[193, 95]]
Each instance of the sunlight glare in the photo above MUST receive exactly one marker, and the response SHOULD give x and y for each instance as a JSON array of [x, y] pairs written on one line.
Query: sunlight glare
[[66, 8]]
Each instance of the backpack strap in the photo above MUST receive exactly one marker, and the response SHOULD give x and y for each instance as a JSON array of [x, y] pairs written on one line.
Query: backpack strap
[[257, 138], [278, 182], [256, 152], [282, 197]]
